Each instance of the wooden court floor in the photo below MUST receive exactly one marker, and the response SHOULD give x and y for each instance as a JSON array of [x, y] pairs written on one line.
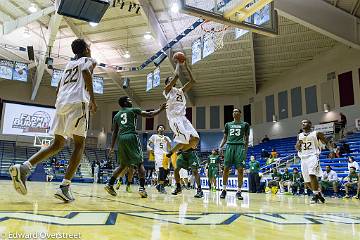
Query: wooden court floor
[[96, 215]]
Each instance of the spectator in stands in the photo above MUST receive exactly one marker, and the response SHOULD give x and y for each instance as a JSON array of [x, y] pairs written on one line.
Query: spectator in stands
[[343, 122], [274, 153], [254, 178], [345, 149], [337, 152], [351, 181], [353, 163], [265, 139], [264, 154], [297, 181], [273, 184], [329, 179], [286, 180]]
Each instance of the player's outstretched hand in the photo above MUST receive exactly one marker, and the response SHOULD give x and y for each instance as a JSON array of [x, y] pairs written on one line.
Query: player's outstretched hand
[[163, 106], [93, 107]]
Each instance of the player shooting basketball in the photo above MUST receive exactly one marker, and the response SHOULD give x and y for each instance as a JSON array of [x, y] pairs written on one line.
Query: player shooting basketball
[[186, 136]]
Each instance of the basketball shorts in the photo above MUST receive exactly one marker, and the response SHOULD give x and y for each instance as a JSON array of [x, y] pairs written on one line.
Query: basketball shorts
[[161, 161], [183, 129], [71, 119], [212, 172], [234, 156], [129, 150], [188, 160], [184, 173], [310, 165]]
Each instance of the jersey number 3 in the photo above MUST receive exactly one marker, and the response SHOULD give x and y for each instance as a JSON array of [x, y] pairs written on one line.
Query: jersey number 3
[[123, 118], [71, 75]]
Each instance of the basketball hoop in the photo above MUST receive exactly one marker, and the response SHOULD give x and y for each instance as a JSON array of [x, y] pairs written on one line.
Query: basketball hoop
[[218, 30]]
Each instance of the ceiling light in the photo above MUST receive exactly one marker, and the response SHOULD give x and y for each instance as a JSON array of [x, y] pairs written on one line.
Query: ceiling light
[[127, 54], [175, 8], [147, 36], [32, 8], [93, 24]]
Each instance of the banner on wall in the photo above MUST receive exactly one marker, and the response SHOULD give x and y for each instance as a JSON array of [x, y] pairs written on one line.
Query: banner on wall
[[232, 183], [327, 128], [27, 120]]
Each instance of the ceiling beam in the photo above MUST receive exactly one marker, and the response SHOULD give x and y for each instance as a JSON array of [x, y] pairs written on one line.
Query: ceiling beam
[[320, 18], [253, 63], [51, 33], [12, 25], [148, 11], [115, 77], [355, 7]]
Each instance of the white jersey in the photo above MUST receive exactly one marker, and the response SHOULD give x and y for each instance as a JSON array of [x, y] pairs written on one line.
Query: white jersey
[[310, 145], [160, 144], [176, 103], [72, 88]]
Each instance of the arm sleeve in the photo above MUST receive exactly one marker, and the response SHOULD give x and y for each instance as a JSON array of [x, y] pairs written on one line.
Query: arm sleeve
[[137, 111], [87, 64], [226, 131]]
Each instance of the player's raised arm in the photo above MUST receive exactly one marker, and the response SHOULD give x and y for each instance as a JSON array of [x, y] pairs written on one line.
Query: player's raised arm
[[89, 86], [173, 79], [324, 140], [153, 113], [190, 83]]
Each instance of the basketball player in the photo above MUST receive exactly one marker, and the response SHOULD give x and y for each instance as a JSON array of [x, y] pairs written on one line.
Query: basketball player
[[186, 136], [236, 135], [213, 166], [129, 147], [308, 147], [75, 97], [159, 144]]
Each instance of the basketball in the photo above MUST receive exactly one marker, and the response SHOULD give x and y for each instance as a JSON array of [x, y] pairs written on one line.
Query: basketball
[[180, 57]]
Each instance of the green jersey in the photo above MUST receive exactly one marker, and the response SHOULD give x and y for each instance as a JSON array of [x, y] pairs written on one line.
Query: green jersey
[[353, 177], [236, 132], [287, 177], [213, 160], [276, 176], [126, 120], [254, 166], [297, 177]]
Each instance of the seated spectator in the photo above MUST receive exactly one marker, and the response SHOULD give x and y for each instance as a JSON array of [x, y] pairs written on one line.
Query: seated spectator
[[273, 184], [329, 179], [353, 163], [265, 139], [345, 149], [351, 181], [286, 180], [297, 181], [264, 154], [337, 152], [331, 155], [274, 153]]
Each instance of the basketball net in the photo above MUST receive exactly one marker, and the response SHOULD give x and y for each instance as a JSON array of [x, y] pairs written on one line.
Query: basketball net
[[217, 30]]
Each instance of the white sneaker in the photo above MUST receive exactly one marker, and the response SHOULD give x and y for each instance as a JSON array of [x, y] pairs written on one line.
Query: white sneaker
[[19, 174], [64, 193]]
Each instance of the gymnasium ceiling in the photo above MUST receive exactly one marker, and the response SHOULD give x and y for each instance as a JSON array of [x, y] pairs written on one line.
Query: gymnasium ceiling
[[238, 68]]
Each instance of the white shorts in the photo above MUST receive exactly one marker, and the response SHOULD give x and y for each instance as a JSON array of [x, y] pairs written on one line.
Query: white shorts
[[184, 173], [183, 129], [71, 119], [310, 165]]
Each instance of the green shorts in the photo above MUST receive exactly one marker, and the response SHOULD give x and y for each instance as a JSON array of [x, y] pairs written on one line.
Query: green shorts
[[235, 155], [326, 184], [129, 150], [188, 160], [212, 172]]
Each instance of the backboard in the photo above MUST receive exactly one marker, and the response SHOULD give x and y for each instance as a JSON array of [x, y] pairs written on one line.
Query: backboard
[[258, 16]]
